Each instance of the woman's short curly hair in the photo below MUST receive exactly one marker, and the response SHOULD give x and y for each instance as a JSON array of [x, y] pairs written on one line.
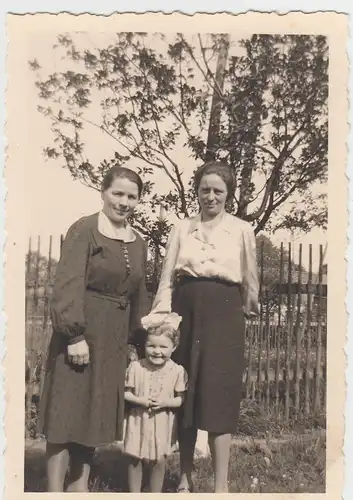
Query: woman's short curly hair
[[220, 168]]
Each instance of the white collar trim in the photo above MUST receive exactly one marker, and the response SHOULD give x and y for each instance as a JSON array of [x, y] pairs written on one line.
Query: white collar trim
[[107, 228]]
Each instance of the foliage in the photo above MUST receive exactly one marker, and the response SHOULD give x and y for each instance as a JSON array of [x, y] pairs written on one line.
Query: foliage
[[154, 98], [40, 271]]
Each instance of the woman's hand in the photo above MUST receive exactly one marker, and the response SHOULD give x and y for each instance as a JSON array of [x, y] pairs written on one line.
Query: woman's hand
[[78, 353], [133, 355]]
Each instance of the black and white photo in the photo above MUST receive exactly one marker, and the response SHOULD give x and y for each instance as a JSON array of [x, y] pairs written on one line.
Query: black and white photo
[[181, 193]]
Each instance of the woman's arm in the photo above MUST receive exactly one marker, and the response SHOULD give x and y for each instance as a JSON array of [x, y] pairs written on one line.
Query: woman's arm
[[139, 306], [163, 300], [67, 304], [250, 282]]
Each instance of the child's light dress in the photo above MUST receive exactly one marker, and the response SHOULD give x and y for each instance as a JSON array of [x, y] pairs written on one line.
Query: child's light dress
[[150, 435]]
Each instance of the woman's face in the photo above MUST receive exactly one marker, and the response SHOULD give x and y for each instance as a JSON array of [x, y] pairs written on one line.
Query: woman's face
[[120, 199], [212, 194]]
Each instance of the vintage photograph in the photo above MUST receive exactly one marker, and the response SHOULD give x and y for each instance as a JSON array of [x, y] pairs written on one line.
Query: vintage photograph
[[176, 237]]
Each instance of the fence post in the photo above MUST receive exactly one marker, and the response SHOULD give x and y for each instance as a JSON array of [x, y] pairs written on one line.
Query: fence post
[[30, 344], [289, 336], [45, 337], [251, 339], [279, 332], [317, 397], [308, 335], [298, 333], [268, 333], [259, 367]]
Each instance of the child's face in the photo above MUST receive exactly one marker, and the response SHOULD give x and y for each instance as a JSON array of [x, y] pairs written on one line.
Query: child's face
[[158, 349]]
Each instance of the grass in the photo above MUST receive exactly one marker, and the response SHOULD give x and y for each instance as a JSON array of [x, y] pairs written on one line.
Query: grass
[[292, 460], [296, 466], [254, 421]]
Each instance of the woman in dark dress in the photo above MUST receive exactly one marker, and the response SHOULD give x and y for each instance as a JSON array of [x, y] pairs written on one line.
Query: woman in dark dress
[[98, 300], [209, 277]]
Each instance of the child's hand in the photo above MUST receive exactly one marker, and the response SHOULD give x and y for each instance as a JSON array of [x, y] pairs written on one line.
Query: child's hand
[[145, 402], [159, 404]]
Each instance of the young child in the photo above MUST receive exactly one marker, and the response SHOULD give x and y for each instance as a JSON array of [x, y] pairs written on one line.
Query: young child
[[154, 389]]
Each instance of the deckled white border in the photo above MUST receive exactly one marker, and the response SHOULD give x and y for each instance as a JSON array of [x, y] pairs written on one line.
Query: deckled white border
[[187, 7]]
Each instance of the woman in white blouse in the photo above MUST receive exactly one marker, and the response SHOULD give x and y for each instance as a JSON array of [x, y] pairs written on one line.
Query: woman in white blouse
[[209, 277]]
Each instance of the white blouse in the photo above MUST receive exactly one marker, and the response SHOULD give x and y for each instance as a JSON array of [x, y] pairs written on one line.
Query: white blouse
[[228, 252]]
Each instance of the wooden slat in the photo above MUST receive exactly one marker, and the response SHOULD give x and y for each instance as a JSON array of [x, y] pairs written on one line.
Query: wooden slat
[[324, 373], [260, 337], [298, 336], [36, 277], [32, 340], [46, 335], [251, 328], [28, 269], [268, 352], [46, 286], [288, 337], [61, 242], [317, 396], [28, 331], [279, 335], [307, 392]]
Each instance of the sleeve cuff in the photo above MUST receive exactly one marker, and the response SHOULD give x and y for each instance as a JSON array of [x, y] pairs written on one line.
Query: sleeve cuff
[[75, 340]]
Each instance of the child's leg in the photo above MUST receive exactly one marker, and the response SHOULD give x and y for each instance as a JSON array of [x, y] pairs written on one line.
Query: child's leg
[[157, 474], [135, 471]]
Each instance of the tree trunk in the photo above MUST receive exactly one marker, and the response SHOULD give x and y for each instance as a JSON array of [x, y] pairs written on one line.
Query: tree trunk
[[215, 117]]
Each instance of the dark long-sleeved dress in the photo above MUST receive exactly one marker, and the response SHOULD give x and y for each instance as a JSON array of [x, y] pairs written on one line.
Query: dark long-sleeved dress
[[100, 296]]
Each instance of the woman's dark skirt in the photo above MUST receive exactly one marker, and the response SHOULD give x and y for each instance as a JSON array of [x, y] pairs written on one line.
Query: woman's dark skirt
[[212, 339]]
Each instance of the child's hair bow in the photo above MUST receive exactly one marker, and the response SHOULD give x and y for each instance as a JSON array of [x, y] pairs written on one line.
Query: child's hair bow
[[155, 320]]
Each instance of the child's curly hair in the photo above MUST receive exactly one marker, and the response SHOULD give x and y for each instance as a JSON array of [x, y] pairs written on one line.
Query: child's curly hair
[[167, 330]]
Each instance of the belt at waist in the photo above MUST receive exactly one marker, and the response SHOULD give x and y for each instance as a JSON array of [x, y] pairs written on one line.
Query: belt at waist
[[121, 300], [182, 278]]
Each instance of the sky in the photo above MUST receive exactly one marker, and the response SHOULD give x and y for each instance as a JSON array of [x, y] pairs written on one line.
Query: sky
[[53, 199]]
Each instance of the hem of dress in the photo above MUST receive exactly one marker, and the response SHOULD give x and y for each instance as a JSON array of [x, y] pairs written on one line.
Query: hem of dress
[[215, 431], [165, 455], [80, 443]]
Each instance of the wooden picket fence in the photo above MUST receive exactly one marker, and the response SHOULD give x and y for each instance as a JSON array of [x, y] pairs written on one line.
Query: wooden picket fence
[[285, 346]]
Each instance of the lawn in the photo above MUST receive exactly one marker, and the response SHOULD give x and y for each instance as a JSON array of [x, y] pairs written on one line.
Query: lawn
[[293, 465]]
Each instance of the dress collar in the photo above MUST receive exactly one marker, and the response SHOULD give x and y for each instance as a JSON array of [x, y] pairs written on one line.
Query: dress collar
[[107, 228], [224, 223]]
